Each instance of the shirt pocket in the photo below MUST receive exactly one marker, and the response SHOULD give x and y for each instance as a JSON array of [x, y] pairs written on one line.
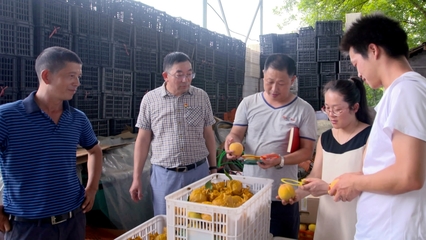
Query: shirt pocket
[[194, 116]]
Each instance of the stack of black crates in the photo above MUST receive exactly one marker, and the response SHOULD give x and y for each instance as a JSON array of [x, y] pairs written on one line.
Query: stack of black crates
[[318, 59], [122, 44]]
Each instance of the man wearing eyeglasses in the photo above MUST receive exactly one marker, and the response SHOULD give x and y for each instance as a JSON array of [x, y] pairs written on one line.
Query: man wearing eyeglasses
[[176, 120]]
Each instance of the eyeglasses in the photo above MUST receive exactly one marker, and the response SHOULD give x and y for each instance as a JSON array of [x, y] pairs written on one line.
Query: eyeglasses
[[181, 76], [334, 112]]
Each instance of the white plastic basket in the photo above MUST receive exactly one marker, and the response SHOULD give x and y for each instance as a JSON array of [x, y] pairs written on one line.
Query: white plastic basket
[[250, 221], [155, 224]]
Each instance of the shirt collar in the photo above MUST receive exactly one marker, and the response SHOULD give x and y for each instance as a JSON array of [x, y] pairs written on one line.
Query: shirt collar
[[165, 93], [31, 106]]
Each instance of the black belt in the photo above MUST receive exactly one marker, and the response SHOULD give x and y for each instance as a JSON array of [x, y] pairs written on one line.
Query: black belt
[[187, 167], [53, 219]]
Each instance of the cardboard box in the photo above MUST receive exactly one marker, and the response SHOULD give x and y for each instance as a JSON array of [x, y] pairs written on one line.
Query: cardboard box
[[308, 208]]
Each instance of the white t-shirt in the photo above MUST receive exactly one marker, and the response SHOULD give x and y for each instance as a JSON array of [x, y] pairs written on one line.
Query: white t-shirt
[[402, 216], [268, 129]]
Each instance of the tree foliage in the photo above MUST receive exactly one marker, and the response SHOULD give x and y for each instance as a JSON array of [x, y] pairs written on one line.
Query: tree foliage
[[410, 13]]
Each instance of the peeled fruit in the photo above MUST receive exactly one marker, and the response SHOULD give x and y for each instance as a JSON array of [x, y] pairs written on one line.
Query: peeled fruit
[[194, 215], [331, 185], [236, 148], [312, 227], [286, 192], [302, 227], [206, 217]]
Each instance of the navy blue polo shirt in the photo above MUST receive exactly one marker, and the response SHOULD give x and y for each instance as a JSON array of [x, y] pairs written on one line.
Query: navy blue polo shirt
[[38, 158]]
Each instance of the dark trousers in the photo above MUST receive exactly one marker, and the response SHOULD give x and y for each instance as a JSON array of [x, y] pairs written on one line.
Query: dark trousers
[[285, 220], [72, 229]]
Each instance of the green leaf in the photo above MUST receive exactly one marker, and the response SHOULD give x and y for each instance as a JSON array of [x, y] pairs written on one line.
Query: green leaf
[[208, 185]]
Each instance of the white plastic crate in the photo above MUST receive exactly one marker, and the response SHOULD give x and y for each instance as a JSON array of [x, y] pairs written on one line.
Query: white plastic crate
[[250, 221], [155, 224]]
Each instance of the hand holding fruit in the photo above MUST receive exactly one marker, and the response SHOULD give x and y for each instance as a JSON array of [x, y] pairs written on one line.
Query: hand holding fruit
[[287, 194], [344, 189], [233, 149], [315, 186]]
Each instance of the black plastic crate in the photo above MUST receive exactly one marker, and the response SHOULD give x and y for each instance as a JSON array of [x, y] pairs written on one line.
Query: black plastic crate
[[88, 102], [199, 83], [346, 76], [209, 55], [146, 38], [211, 89], [142, 82], [219, 74], [308, 80], [231, 76], [347, 67], [235, 90], [213, 103], [238, 48], [158, 80], [222, 103], [8, 96], [206, 37], [344, 56], [223, 43], [186, 47], [17, 10], [262, 61], [9, 74], [306, 68], [100, 127], [16, 39], [306, 44], [116, 106], [28, 76], [93, 51], [328, 55], [220, 58], [209, 73], [91, 78], [315, 103], [324, 28], [137, 99], [53, 13], [308, 92], [186, 30], [122, 56], [91, 23], [121, 32], [239, 76], [306, 55], [132, 12], [117, 81], [232, 102], [166, 23], [145, 61], [50, 37], [200, 53], [328, 42], [167, 43], [328, 67], [103, 6], [118, 125], [199, 70], [327, 78], [307, 32], [268, 38]]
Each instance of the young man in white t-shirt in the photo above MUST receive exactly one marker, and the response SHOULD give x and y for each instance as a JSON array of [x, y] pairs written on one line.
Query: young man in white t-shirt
[[392, 189]]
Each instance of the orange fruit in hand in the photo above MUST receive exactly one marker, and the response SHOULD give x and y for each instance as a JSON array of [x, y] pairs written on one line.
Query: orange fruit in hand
[[286, 192], [331, 185], [236, 148]]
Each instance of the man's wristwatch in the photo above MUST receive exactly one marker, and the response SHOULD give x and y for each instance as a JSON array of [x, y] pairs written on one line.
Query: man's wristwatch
[[281, 165]]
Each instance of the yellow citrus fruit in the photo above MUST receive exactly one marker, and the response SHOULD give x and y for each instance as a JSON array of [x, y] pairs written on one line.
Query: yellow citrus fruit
[[194, 215], [286, 192], [312, 227], [331, 185], [236, 148], [302, 227]]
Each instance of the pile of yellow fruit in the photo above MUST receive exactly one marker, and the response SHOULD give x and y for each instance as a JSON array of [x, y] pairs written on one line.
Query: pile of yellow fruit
[[154, 236], [306, 232], [226, 194]]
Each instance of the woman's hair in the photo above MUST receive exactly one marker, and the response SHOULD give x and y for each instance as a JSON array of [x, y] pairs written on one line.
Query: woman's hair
[[353, 91]]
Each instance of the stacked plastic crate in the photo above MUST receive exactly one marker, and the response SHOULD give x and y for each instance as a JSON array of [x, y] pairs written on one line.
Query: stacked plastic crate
[[307, 67], [16, 45], [268, 46], [328, 36], [235, 73]]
